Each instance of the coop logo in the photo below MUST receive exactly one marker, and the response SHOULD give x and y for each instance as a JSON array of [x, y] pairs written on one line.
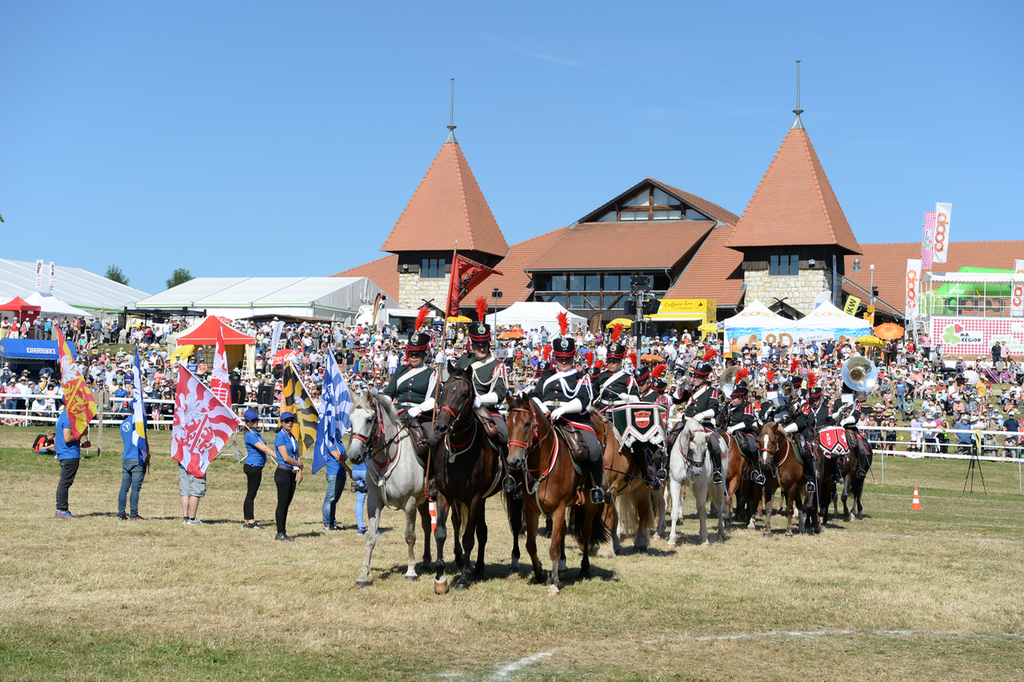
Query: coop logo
[[955, 334], [941, 232]]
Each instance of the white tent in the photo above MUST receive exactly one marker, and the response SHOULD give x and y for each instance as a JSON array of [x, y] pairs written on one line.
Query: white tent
[[534, 315], [827, 316], [74, 286], [757, 314], [52, 306], [321, 298]]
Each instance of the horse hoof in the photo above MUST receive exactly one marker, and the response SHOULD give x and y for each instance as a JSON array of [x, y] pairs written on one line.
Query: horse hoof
[[459, 587], [789, 533], [362, 583], [441, 586], [671, 543], [848, 518], [860, 517], [553, 591], [767, 535], [412, 577], [656, 537], [705, 544], [515, 565]]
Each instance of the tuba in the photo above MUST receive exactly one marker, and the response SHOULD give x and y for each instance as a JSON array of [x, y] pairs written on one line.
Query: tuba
[[728, 380], [860, 374]]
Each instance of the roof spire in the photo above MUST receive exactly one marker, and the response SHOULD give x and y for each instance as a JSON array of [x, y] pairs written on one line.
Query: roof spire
[[451, 120], [797, 124]]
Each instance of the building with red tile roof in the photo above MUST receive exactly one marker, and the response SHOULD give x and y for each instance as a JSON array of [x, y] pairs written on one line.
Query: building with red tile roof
[[383, 272]]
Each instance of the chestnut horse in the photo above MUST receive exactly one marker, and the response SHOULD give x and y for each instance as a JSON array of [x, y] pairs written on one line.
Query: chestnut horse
[[631, 496], [783, 471], [468, 470], [551, 484], [740, 485]]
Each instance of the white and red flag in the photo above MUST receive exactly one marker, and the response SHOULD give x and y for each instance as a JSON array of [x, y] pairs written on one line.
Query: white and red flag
[[202, 424], [1017, 297], [940, 240], [220, 382]]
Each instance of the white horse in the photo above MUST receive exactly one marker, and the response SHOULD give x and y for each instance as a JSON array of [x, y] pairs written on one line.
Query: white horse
[[689, 464], [394, 477]]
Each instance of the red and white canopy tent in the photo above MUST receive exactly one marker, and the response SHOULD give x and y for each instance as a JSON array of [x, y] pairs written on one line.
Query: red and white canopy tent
[[23, 308], [205, 334]]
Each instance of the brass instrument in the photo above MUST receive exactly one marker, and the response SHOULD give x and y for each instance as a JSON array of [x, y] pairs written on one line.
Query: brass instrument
[[860, 374], [728, 380]]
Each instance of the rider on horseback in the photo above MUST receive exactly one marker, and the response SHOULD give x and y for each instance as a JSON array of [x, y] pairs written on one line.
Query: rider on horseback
[[488, 375], [742, 420], [847, 417], [615, 385], [811, 416], [567, 394], [702, 405]]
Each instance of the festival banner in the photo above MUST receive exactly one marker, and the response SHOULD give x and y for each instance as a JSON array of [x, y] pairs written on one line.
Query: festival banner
[[39, 274], [220, 382], [78, 400], [275, 336], [852, 303], [139, 412], [297, 401], [53, 276], [913, 288], [335, 419], [964, 336], [1017, 297], [466, 275], [202, 424], [926, 240], [940, 240]]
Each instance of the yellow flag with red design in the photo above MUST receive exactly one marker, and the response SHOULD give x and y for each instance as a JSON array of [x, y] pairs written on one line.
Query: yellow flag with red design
[[78, 400]]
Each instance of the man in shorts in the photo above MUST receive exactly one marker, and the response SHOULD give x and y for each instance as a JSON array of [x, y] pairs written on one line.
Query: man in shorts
[[191, 488]]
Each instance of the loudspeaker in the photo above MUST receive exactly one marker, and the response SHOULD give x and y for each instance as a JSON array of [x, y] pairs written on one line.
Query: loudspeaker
[[238, 394], [266, 395]]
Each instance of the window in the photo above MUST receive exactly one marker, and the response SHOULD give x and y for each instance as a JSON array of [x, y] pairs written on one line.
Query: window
[[692, 214], [576, 282], [663, 199], [575, 303], [668, 215], [639, 200], [608, 217], [593, 283], [611, 283], [432, 268], [557, 283], [786, 266], [558, 299], [633, 215]]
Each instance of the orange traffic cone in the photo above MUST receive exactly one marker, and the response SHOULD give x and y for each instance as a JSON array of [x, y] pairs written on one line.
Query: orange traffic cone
[[916, 504], [433, 516]]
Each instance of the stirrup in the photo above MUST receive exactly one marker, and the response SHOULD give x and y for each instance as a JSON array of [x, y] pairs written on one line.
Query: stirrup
[[597, 496], [716, 476], [759, 478], [810, 487], [508, 484], [652, 482], [432, 491], [663, 474]]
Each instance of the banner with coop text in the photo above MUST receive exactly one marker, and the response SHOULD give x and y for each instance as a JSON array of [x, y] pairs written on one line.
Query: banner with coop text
[[913, 287], [940, 238], [1017, 298]]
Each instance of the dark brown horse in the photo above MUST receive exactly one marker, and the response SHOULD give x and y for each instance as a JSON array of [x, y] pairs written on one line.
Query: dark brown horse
[[852, 483], [783, 471], [468, 470], [551, 484]]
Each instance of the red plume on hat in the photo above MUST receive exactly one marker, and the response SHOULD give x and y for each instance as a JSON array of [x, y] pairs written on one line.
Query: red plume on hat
[[793, 365], [616, 331], [812, 380], [709, 355], [658, 370], [599, 364], [421, 317], [563, 323], [547, 352], [481, 309], [589, 355], [632, 356], [742, 374], [771, 376]]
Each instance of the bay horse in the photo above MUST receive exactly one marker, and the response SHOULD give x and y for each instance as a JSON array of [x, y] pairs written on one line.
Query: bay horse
[[741, 489], [631, 498], [690, 464], [468, 470], [551, 484], [394, 476], [783, 471], [853, 484]]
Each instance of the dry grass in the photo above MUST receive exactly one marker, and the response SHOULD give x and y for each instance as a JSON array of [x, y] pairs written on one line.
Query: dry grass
[[899, 595]]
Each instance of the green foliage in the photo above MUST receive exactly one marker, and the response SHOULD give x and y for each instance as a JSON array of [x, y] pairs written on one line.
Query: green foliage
[[115, 274], [179, 276]]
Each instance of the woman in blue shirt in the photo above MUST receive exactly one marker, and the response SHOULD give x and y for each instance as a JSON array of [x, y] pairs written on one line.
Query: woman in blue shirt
[[288, 474], [255, 460]]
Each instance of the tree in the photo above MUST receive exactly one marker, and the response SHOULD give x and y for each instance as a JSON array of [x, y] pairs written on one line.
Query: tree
[[179, 276], [115, 274]]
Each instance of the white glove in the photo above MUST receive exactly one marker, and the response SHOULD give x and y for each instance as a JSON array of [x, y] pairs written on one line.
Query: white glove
[[414, 411], [541, 406], [632, 398], [557, 413], [488, 398], [791, 428], [573, 405], [476, 402], [849, 420], [705, 415], [735, 427]]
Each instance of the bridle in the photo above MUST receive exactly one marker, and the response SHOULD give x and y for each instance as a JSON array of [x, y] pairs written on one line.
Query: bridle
[[773, 451], [456, 449], [372, 439], [534, 478]]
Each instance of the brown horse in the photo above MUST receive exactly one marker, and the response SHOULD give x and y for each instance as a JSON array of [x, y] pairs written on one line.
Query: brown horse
[[740, 485], [468, 470], [631, 497], [783, 471], [551, 484]]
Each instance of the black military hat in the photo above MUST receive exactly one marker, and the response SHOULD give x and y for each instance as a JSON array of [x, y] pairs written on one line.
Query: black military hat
[[418, 343], [564, 347], [616, 351], [740, 390], [480, 333], [814, 393], [642, 374], [659, 385], [702, 369]]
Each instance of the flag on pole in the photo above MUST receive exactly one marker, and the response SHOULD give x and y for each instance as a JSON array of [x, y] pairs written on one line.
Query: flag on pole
[[220, 382], [926, 240], [1017, 299], [335, 418], [297, 401], [139, 413], [275, 336], [78, 400], [39, 274], [940, 240], [466, 275], [202, 424], [913, 286]]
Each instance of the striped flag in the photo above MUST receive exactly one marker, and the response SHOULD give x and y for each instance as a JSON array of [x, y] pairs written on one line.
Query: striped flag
[[336, 419], [78, 400], [139, 413], [297, 401], [220, 382], [202, 424]]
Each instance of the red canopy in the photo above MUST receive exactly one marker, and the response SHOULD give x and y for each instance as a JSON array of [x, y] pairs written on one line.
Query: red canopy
[[205, 334], [23, 307]]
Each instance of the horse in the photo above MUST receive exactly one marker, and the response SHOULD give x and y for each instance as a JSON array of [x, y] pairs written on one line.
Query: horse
[[631, 508], [851, 482], [551, 484], [468, 470], [782, 470], [689, 464], [394, 476], [740, 485]]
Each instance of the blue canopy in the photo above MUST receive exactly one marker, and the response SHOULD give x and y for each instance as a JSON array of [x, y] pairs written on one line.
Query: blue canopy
[[30, 349]]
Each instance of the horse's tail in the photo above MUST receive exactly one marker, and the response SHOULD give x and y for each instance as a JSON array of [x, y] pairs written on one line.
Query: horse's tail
[[599, 535], [625, 506]]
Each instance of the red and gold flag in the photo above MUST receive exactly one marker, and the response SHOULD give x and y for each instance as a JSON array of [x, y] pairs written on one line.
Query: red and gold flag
[[466, 275], [78, 400]]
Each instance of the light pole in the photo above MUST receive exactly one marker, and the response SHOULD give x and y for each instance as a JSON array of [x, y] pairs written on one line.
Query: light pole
[[496, 294]]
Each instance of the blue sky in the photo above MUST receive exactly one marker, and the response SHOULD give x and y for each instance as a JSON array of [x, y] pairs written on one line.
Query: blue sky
[[248, 138]]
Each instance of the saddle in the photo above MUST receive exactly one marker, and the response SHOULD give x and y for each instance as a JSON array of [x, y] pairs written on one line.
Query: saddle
[[574, 439], [418, 435], [484, 415]]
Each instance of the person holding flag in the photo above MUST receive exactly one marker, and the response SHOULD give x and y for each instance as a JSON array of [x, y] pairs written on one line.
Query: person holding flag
[[72, 424], [328, 450], [136, 448], [69, 454], [288, 474]]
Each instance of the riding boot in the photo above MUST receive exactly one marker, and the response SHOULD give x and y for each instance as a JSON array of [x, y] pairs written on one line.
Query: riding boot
[[862, 465], [812, 469], [716, 458], [508, 484], [597, 478], [650, 480], [755, 466]]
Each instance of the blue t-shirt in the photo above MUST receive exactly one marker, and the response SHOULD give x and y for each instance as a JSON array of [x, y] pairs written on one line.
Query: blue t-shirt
[[255, 458], [70, 450], [333, 466], [288, 441], [131, 451]]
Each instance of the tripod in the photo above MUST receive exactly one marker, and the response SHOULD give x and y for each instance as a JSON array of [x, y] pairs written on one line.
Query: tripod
[[975, 461]]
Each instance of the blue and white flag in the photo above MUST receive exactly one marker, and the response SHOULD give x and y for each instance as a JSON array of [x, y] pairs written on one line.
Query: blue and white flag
[[139, 413], [335, 414]]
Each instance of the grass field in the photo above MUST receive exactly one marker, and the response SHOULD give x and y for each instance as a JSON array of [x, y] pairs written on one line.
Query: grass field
[[900, 595]]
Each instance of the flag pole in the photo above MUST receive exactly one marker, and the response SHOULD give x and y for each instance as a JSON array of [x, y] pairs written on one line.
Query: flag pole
[[437, 384]]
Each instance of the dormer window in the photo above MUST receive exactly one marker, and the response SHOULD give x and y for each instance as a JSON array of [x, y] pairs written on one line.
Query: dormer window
[[652, 203]]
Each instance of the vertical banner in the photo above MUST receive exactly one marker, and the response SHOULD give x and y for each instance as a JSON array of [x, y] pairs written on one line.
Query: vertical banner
[[1017, 299], [852, 303], [53, 276], [39, 274], [926, 240], [913, 287], [940, 240]]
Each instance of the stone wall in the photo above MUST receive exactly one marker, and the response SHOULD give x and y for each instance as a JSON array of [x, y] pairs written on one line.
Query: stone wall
[[798, 292], [412, 290]]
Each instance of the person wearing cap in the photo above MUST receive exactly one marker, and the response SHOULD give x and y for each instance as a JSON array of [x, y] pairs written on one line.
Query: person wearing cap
[[566, 395], [412, 388], [849, 422], [288, 473], [615, 386], [489, 382], [257, 452], [810, 416], [69, 454], [742, 421], [702, 405]]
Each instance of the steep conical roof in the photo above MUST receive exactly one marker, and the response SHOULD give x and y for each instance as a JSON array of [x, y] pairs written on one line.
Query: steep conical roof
[[794, 205], [448, 206]]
